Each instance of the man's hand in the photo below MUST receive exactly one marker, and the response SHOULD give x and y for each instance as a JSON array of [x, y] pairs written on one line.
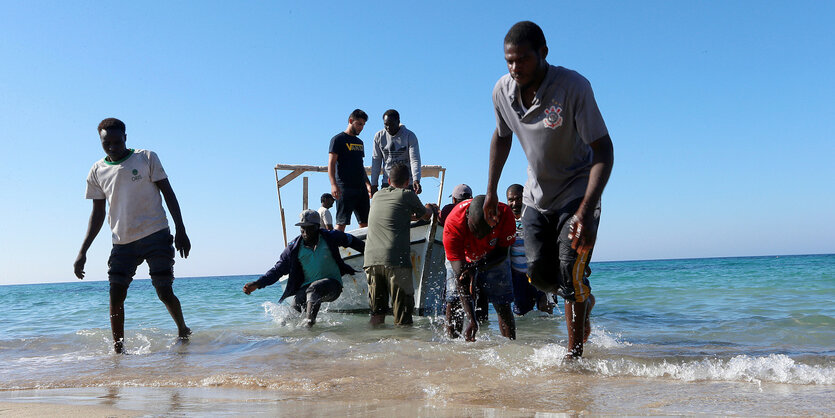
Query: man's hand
[[336, 192], [491, 209], [250, 287], [182, 243], [78, 266], [368, 189], [416, 187], [432, 210], [581, 231], [373, 190], [465, 283]]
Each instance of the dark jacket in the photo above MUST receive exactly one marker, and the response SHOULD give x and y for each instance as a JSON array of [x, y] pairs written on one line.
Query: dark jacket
[[288, 262]]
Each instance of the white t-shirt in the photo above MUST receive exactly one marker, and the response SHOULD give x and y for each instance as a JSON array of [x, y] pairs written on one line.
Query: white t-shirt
[[325, 217], [134, 198]]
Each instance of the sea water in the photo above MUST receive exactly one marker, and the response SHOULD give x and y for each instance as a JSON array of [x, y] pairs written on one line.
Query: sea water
[[753, 335]]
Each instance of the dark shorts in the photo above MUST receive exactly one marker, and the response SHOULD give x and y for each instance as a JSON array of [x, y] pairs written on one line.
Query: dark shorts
[[157, 249], [322, 290], [352, 201], [495, 282], [553, 266], [525, 295]]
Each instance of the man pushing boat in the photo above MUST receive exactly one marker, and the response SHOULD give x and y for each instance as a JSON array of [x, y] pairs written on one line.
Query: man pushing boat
[[314, 266]]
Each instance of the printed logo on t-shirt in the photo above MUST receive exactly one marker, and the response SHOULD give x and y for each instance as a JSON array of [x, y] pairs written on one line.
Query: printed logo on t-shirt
[[136, 175], [354, 147], [553, 119]]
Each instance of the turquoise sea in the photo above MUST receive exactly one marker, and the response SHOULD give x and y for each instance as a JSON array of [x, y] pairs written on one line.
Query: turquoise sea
[[728, 336]]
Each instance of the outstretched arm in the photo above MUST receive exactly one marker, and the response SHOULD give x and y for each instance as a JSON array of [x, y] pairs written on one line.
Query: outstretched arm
[[93, 228], [583, 236], [464, 280], [499, 150], [181, 241]]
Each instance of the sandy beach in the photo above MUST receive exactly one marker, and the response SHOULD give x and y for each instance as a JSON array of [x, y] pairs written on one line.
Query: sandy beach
[[568, 393]]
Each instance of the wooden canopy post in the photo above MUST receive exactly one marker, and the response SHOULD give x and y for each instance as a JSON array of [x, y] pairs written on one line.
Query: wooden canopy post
[[304, 193], [281, 208]]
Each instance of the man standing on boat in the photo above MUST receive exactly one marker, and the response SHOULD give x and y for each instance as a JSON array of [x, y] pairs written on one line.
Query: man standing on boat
[[554, 114], [346, 171], [478, 255], [388, 262], [395, 144], [325, 211], [313, 265]]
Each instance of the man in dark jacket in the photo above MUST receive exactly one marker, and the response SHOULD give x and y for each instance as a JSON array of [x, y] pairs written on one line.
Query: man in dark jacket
[[314, 266]]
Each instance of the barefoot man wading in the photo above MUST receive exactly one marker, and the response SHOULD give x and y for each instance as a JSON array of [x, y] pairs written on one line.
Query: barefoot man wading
[[552, 111]]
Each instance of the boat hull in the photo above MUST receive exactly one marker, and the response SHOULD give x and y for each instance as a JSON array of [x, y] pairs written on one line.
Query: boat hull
[[428, 273]]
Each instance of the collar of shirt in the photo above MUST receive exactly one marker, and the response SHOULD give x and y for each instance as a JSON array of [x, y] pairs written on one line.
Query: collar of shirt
[[513, 92]]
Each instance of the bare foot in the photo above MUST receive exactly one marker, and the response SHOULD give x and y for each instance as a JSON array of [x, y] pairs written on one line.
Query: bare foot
[[118, 347], [307, 323], [377, 320], [185, 333], [587, 325]]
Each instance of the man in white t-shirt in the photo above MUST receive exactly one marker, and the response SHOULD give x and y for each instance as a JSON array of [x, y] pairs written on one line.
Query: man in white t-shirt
[[131, 181], [324, 211]]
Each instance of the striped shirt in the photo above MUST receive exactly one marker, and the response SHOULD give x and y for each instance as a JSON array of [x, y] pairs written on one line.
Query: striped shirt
[[518, 261]]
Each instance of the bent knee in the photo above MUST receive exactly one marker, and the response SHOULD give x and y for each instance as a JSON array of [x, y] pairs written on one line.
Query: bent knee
[[543, 275]]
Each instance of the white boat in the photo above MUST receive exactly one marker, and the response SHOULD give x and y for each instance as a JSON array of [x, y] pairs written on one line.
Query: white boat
[[427, 252]]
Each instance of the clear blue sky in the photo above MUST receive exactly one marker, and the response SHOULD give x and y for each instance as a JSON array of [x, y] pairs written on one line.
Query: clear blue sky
[[722, 115]]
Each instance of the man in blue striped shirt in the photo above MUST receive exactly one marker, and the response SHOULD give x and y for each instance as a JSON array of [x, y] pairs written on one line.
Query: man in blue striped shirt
[[525, 295]]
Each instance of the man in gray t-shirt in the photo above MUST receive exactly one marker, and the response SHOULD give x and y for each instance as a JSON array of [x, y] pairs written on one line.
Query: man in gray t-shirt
[[395, 144], [387, 256], [553, 112]]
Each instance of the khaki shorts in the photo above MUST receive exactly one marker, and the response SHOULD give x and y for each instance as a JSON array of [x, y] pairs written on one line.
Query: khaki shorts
[[386, 282]]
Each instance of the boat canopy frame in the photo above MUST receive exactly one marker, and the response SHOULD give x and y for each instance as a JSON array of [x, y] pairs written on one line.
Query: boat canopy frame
[[296, 170]]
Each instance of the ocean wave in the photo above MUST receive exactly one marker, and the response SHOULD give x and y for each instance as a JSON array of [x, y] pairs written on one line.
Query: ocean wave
[[774, 368]]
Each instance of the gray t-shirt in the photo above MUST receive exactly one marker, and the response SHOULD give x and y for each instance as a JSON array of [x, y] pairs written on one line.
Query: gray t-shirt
[[555, 133], [389, 220], [388, 150]]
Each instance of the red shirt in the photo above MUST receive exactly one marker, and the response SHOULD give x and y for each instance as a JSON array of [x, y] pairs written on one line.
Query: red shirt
[[459, 242]]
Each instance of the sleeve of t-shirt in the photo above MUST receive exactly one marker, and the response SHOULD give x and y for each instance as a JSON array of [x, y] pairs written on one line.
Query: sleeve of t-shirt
[[376, 159], [507, 228], [414, 157], [453, 242], [501, 125], [587, 115], [94, 190], [336, 147], [157, 172], [414, 204]]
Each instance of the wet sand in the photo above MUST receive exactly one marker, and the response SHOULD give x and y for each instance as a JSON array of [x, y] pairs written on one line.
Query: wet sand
[[574, 394]]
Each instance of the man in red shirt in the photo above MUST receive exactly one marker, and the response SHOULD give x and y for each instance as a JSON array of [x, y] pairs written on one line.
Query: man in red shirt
[[478, 254]]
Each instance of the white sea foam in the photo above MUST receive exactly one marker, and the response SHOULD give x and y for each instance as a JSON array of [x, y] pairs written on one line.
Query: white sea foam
[[282, 315], [775, 368], [601, 338]]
